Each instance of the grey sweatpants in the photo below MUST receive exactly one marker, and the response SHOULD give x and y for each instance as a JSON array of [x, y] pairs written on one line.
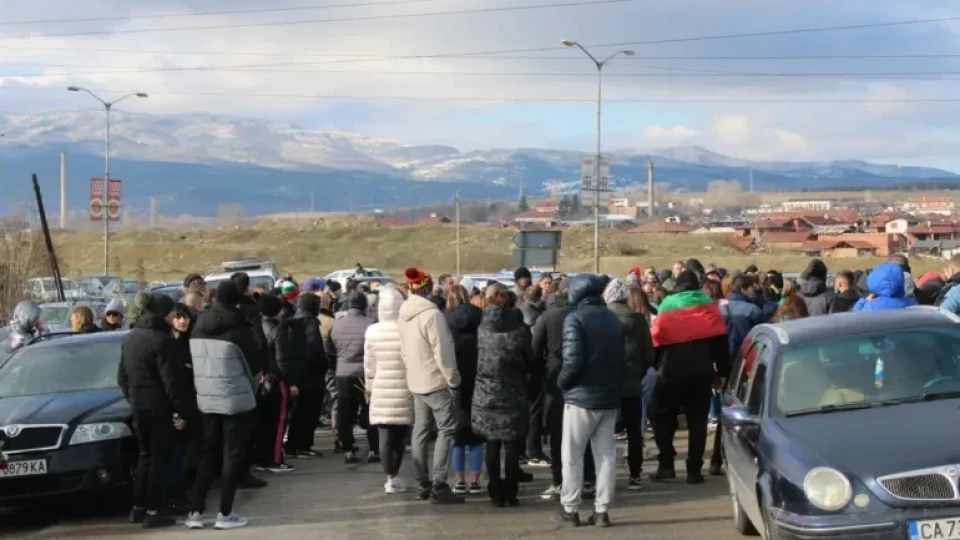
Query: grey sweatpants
[[433, 412], [579, 427]]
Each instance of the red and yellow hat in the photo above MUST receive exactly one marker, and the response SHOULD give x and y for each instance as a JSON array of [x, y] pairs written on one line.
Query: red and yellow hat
[[417, 279]]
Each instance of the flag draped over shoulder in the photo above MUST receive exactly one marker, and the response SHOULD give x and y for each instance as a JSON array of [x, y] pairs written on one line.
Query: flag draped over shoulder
[[687, 316]]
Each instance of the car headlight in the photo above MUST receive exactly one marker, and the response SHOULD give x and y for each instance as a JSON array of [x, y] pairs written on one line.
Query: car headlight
[[101, 431], [827, 489]]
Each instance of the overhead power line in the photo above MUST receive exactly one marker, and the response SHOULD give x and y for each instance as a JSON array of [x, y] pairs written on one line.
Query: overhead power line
[[214, 13], [301, 22], [759, 101]]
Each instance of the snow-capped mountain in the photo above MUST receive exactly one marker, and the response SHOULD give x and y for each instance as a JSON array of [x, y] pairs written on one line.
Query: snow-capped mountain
[[222, 157]]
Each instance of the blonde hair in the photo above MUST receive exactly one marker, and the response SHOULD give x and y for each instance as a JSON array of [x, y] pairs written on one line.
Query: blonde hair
[[191, 298], [457, 295], [80, 316]]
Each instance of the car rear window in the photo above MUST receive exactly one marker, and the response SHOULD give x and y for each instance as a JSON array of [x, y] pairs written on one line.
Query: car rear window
[[870, 368], [67, 366]]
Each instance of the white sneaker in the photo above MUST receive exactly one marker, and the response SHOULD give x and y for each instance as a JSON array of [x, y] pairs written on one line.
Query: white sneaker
[[395, 486], [232, 521], [552, 493], [194, 520]]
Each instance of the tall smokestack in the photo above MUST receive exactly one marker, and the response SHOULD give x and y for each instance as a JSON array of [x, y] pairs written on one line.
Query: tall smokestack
[[63, 190], [651, 207]]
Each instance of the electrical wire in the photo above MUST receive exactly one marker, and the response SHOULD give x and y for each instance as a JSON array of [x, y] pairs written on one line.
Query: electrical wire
[[301, 22]]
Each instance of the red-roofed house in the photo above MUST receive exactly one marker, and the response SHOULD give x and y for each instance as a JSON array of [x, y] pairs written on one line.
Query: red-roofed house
[[535, 218], [886, 244], [545, 207], [393, 222], [943, 206], [435, 219], [839, 248], [786, 240], [934, 230]]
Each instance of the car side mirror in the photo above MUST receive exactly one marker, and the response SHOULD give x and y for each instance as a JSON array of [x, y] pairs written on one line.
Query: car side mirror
[[739, 416]]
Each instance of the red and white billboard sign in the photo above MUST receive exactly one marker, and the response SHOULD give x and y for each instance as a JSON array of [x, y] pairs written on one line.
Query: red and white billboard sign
[[113, 200], [96, 199]]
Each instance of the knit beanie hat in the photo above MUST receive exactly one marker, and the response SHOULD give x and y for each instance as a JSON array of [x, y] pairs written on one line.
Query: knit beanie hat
[[635, 271], [616, 291], [269, 305], [289, 290], [418, 280]]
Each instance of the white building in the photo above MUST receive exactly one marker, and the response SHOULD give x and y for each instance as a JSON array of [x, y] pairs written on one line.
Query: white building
[[807, 205]]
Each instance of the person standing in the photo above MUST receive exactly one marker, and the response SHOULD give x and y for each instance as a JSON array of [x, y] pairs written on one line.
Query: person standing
[[692, 353], [638, 359], [464, 319], [500, 411], [154, 382], [311, 380], [347, 340], [391, 404], [533, 454], [814, 291], [591, 380], [434, 380], [847, 296], [887, 284], [522, 279], [275, 386], [113, 316], [219, 347]]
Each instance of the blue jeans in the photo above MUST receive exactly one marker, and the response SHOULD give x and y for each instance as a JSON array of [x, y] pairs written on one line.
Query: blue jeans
[[714, 405], [458, 459], [648, 383]]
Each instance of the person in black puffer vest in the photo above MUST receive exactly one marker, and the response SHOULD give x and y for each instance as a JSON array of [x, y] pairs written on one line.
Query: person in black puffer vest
[[464, 320], [311, 378]]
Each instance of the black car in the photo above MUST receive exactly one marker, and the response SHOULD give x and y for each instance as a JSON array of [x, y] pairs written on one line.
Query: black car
[[840, 426], [65, 424]]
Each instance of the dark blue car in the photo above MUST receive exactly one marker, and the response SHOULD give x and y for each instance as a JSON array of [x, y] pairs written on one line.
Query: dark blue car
[[845, 427], [65, 425]]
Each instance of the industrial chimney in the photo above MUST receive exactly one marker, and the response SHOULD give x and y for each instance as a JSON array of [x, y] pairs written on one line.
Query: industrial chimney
[[63, 190], [651, 199]]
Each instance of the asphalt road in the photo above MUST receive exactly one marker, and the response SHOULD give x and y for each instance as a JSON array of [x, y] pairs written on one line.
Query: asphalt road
[[325, 499]]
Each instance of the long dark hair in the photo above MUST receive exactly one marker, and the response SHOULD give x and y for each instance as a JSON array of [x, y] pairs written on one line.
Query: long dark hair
[[637, 301], [793, 307], [456, 296]]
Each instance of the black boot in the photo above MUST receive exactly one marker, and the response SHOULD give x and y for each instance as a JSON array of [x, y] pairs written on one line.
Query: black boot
[[495, 490], [511, 490]]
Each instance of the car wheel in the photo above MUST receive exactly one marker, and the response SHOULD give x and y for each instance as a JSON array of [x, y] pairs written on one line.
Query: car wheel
[[740, 520]]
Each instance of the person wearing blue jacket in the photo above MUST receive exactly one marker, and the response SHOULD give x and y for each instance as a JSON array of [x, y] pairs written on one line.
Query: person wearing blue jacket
[[886, 285]]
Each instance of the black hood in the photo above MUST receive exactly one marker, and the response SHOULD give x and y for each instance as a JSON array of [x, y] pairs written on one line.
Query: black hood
[[465, 318], [502, 319], [220, 320], [587, 286], [812, 286], [151, 321], [309, 304]]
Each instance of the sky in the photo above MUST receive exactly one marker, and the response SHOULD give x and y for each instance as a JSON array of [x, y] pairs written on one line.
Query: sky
[[443, 71]]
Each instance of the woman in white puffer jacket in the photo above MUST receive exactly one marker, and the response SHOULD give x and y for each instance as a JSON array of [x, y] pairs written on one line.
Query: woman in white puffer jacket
[[391, 404]]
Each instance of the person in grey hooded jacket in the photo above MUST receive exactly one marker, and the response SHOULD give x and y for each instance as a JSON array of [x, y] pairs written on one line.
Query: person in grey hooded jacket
[[24, 325], [814, 291], [347, 344]]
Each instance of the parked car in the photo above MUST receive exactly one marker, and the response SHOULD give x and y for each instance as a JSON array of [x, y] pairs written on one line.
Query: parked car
[[125, 289], [93, 285], [263, 273], [837, 427], [173, 291], [65, 425], [56, 315], [341, 276], [44, 289]]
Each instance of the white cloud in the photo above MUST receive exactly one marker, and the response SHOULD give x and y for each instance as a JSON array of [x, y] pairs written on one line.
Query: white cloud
[[791, 142], [671, 134], [732, 129]]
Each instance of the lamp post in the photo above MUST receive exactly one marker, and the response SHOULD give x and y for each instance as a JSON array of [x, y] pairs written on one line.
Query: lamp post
[[459, 275], [107, 105], [596, 175]]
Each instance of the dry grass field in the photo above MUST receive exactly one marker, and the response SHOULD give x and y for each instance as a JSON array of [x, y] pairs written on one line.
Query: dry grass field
[[327, 244]]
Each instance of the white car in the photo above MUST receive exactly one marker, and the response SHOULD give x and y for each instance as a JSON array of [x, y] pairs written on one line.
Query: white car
[[262, 273], [341, 276], [45, 289]]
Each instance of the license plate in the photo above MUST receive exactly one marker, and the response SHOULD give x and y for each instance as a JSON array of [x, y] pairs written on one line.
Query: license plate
[[934, 529], [33, 467]]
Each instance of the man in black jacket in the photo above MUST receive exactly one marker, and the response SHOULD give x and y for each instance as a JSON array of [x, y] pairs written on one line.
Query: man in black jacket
[[154, 380], [591, 379], [277, 386], [548, 359], [305, 327]]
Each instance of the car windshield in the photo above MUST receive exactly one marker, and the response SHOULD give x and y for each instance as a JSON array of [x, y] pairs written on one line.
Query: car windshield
[[132, 287], [54, 314], [868, 370], [60, 368]]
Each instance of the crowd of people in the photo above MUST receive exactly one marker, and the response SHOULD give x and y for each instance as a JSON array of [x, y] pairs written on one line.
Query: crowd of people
[[485, 377]]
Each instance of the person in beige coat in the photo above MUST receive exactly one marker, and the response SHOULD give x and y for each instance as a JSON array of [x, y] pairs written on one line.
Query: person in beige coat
[[426, 346], [391, 404]]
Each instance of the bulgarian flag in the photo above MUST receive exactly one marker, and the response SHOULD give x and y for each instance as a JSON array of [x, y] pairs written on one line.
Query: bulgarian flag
[[687, 316]]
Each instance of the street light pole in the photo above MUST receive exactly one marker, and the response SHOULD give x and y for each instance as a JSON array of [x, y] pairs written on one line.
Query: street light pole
[[108, 106], [596, 169], [458, 234]]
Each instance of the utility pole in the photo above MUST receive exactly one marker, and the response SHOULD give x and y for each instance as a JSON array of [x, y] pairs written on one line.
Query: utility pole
[[458, 233], [311, 202], [63, 190], [751, 180], [153, 212]]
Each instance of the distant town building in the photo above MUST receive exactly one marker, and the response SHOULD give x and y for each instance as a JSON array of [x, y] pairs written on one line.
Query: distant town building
[[943, 206], [537, 218], [545, 207], [807, 204], [435, 219]]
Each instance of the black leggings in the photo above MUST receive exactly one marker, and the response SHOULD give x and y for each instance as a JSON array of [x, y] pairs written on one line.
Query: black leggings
[[352, 408], [156, 436], [392, 440], [631, 409], [226, 440], [503, 489]]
